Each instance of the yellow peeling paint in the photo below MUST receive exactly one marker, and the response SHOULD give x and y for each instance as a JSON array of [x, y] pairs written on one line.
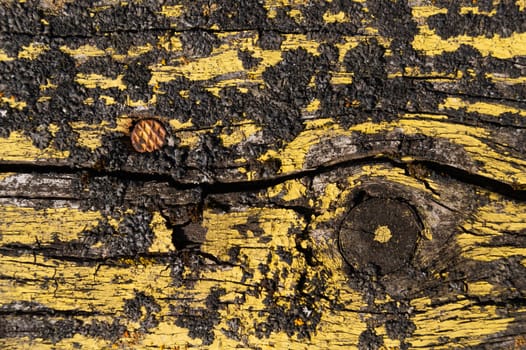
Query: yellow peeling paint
[[93, 81], [339, 17], [31, 226], [239, 133], [480, 288], [4, 57], [32, 51], [464, 324], [19, 147], [200, 69], [499, 218], [500, 47], [342, 78], [13, 103], [175, 124], [289, 190], [465, 10], [83, 52], [503, 79], [90, 135], [427, 11], [493, 109], [163, 235], [172, 11]]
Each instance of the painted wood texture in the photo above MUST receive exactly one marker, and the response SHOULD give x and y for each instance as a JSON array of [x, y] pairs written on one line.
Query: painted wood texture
[[291, 126]]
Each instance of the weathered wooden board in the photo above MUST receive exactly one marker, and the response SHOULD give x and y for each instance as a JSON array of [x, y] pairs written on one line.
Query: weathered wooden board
[[337, 174]]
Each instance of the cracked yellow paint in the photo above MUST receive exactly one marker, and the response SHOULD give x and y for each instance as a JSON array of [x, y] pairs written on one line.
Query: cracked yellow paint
[[500, 47], [463, 323], [500, 218]]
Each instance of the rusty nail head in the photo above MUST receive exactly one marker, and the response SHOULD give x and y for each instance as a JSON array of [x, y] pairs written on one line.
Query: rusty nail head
[[148, 135]]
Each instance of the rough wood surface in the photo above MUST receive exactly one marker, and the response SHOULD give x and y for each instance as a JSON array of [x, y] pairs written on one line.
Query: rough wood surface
[[336, 174]]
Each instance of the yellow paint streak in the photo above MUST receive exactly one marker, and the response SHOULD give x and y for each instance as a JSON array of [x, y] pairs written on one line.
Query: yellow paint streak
[[427, 11], [172, 11], [83, 52], [432, 44], [32, 51], [431, 76], [18, 147], [93, 81], [239, 133], [463, 323], [493, 109], [13, 103], [480, 288], [342, 78], [163, 235], [200, 69], [521, 4], [4, 57], [178, 125]]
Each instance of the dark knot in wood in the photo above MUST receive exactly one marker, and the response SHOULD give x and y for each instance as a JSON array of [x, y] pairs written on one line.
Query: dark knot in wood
[[379, 231]]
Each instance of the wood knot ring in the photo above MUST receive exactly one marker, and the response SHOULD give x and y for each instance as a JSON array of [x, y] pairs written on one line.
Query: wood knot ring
[[382, 232], [148, 135]]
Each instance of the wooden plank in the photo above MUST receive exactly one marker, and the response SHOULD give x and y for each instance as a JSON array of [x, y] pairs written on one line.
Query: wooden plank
[[335, 175]]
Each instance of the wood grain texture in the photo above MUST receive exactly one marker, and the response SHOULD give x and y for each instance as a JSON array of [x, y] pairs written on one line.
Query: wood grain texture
[[305, 141]]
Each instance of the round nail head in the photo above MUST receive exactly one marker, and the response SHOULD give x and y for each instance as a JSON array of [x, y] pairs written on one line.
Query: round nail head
[[148, 135]]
